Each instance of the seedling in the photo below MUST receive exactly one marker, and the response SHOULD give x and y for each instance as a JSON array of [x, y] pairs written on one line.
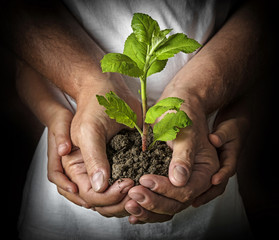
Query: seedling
[[146, 52]]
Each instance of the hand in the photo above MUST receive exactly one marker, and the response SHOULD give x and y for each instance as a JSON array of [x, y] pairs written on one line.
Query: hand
[[109, 203], [59, 144], [228, 138], [71, 178], [91, 128], [193, 164]]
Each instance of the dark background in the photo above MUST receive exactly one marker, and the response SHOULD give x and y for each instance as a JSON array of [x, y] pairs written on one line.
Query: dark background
[[258, 167]]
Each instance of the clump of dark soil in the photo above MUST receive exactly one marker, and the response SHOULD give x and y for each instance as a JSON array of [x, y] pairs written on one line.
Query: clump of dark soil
[[128, 161]]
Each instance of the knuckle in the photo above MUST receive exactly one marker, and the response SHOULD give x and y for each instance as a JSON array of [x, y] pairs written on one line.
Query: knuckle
[[185, 158], [144, 216], [187, 196], [150, 205], [161, 188], [188, 165], [60, 136], [65, 161], [77, 168]]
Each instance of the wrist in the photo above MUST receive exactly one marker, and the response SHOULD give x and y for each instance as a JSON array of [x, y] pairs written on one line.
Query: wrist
[[199, 83], [102, 85], [192, 106]]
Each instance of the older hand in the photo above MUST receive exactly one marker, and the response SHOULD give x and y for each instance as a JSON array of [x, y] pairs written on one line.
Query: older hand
[[193, 164], [91, 128], [162, 200]]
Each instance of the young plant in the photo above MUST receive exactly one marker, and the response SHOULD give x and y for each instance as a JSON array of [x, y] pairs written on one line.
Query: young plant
[[146, 52]]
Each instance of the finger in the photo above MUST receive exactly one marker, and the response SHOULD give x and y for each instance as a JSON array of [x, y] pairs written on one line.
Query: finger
[[143, 215], [113, 195], [224, 133], [154, 202], [116, 210], [227, 169], [61, 132], [198, 183], [182, 159], [133, 220], [76, 171], [93, 148], [55, 170], [163, 186], [210, 194], [73, 197], [215, 140]]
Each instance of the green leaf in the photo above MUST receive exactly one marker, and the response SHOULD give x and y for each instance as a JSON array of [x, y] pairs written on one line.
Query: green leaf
[[169, 126], [143, 27], [117, 109], [117, 62], [159, 38], [176, 43], [156, 66], [170, 103], [135, 50]]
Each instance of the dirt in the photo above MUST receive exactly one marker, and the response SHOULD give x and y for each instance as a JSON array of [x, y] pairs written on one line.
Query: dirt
[[128, 161]]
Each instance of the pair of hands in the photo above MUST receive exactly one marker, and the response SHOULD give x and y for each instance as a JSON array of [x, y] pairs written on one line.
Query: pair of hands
[[195, 176]]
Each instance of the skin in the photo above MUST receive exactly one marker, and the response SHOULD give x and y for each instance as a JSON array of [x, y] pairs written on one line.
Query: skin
[[74, 183], [218, 68], [230, 131]]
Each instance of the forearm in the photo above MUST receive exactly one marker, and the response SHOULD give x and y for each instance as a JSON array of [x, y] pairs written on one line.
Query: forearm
[[42, 97], [50, 39], [226, 66]]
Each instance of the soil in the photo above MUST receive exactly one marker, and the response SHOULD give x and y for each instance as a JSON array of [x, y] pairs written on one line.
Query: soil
[[128, 161]]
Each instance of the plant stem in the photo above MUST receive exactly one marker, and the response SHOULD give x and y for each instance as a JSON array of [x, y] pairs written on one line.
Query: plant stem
[[144, 109], [139, 130], [143, 97]]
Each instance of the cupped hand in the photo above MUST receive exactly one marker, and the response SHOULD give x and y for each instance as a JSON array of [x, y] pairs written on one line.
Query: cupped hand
[[91, 128], [59, 144], [108, 203], [160, 200], [193, 164], [228, 138]]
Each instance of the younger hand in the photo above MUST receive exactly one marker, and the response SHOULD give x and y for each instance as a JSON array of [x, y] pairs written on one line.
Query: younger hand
[[228, 137]]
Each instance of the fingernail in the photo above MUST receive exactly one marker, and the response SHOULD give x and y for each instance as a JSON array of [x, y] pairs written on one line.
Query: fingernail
[[62, 149], [137, 197], [180, 174], [147, 183], [97, 181]]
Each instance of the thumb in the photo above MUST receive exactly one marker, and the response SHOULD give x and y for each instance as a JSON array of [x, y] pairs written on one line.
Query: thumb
[[225, 132], [61, 132], [180, 168], [93, 149]]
